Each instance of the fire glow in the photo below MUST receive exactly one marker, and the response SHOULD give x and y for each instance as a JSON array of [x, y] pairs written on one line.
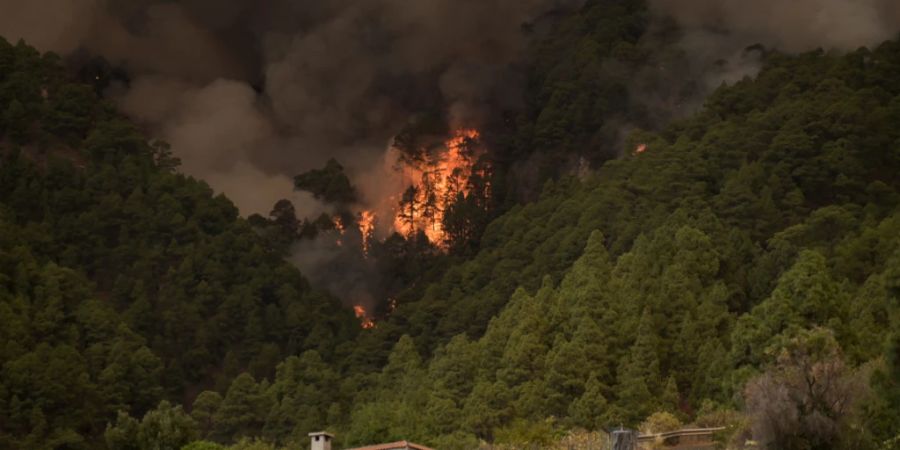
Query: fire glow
[[640, 149], [365, 321], [420, 194], [426, 190], [366, 227], [435, 185]]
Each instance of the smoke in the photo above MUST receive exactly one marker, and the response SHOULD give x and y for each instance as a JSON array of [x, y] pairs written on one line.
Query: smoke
[[699, 44], [333, 78], [791, 26], [340, 269], [251, 93]]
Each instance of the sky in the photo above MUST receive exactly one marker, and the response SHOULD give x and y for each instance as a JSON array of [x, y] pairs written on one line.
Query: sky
[[251, 93]]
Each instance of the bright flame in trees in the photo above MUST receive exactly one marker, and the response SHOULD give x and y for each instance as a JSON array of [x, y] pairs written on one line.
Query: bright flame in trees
[[425, 190], [365, 321], [640, 149], [434, 186], [366, 227]]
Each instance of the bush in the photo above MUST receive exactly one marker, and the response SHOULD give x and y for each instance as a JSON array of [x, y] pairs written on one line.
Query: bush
[[660, 422]]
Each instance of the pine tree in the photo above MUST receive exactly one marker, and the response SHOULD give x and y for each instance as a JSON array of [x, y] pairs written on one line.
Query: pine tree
[[242, 412], [166, 426], [204, 409], [409, 209], [590, 411], [670, 399], [638, 376], [572, 362], [15, 121], [583, 290], [486, 408]]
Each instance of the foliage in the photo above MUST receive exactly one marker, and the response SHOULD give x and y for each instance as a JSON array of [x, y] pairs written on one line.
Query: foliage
[[166, 427], [123, 282], [752, 246], [329, 184], [808, 398], [770, 212], [660, 422]]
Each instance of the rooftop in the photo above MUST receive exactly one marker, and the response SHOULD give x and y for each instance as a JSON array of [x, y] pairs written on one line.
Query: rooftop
[[399, 445]]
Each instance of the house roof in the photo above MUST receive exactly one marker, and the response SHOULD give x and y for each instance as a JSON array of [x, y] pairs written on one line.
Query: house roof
[[399, 445]]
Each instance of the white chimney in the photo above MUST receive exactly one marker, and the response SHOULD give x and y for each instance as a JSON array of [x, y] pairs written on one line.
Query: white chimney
[[320, 440]]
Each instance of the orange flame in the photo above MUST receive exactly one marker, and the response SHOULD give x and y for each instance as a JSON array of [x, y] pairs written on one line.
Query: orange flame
[[435, 184], [365, 321], [436, 187], [340, 227], [366, 227], [339, 224], [640, 149]]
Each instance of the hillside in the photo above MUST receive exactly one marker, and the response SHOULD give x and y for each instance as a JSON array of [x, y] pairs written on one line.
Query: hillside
[[669, 278], [736, 267], [123, 282]]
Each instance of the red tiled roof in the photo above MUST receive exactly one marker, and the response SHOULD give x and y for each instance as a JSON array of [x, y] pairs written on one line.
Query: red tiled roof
[[399, 445]]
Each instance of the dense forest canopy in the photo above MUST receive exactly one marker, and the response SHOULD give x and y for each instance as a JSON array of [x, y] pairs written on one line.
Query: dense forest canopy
[[717, 268]]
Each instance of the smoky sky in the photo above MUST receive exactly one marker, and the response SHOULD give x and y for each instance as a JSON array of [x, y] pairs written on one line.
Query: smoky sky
[[791, 26], [250, 93]]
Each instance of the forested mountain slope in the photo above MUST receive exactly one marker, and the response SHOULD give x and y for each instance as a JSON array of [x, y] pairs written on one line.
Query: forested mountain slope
[[123, 282], [669, 278], [753, 243], [768, 154]]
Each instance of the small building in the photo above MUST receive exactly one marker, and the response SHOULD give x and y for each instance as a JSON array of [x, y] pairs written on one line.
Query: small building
[[399, 445], [322, 440]]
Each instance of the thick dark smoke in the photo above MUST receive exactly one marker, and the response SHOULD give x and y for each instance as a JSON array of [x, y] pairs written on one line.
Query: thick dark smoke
[[333, 78], [700, 44], [250, 93], [791, 26]]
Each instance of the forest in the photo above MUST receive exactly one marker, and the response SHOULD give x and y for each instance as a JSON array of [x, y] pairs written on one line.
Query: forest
[[742, 270]]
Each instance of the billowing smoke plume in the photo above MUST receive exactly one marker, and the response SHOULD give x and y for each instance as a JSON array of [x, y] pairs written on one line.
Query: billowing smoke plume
[[716, 41], [333, 78], [792, 26], [251, 93]]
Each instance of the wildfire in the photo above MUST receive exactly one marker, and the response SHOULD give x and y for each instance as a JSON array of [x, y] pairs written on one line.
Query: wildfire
[[366, 227], [433, 187], [365, 321], [340, 227], [339, 224], [640, 149], [423, 191]]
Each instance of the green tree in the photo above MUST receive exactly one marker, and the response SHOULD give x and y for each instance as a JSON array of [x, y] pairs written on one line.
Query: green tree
[[329, 183], [639, 376], [242, 412], [71, 111], [16, 121], [204, 410], [166, 427], [590, 411]]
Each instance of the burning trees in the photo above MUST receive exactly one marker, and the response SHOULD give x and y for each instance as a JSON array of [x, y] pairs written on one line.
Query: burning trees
[[433, 197], [442, 180]]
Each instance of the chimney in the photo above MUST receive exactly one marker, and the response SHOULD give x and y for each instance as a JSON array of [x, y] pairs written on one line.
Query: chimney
[[320, 440]]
